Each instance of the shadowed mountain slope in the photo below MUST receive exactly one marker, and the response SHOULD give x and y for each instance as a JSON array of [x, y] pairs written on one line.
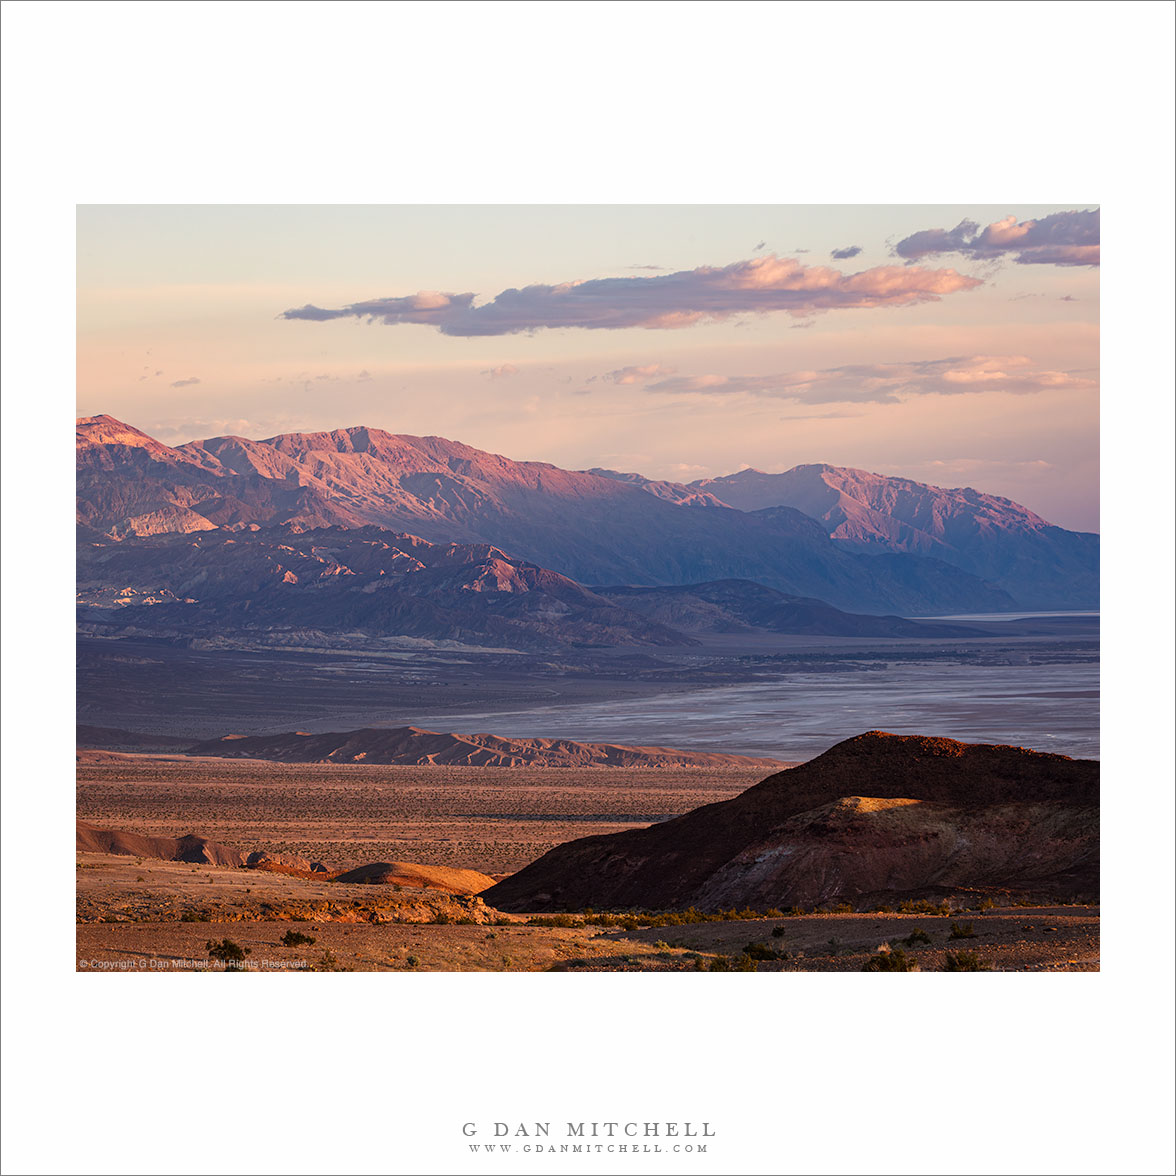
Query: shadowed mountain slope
[[875, 815], [740, 606], [289, 584]]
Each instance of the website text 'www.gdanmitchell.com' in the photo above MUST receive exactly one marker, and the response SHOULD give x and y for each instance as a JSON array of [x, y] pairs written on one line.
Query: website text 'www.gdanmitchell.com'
[[584, 1138]]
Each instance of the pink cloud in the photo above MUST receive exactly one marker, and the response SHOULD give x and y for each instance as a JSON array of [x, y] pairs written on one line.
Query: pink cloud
[[664, 302], [887, 383], [1062, 238], [639, 374], [500, 372]]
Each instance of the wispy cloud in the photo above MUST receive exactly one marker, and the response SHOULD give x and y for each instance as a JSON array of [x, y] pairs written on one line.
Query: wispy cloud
[[709, 293], [185, 383], [500, 372], [635, 374], [1062, 238], [886, 383], [846, 253]]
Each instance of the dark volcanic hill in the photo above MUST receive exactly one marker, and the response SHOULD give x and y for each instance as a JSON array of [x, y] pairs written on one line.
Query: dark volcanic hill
[[412, 745], [740, 606], [876, 815], [999, 540], [587, 526]]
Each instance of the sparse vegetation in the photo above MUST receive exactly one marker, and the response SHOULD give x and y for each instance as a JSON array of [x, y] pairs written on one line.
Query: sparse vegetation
[[778, 932], [924, 906], [918, 935], [412, 961], [328, 962], [761, 951], [634, 920], [229, 953], [555, 921], [739, 963], [962, 931], [964, 961], [895, 960], [297, 939]]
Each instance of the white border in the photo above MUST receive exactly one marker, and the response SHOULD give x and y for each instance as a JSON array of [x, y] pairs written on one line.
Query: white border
[[527, 102]]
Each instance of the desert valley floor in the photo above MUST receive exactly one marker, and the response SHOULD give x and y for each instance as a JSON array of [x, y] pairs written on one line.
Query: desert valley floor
[[136, 913], [1028, 681]]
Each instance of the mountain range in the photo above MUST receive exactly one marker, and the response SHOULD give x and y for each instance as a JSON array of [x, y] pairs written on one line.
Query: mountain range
[[219, 530], [996, 539], [282, 586]]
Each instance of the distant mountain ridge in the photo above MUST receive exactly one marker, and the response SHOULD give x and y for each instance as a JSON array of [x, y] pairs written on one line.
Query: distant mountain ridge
[[999, 540], [293, 586], [280, 586], [592, 526], [416, 746]]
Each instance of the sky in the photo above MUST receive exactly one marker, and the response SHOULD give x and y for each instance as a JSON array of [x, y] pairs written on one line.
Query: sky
[[956, 345]]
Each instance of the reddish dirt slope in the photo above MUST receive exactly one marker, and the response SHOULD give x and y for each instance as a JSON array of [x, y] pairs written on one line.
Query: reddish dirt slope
[[190, 848]]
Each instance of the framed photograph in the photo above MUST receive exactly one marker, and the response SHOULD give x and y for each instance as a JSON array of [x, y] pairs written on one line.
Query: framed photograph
[[548, 500]]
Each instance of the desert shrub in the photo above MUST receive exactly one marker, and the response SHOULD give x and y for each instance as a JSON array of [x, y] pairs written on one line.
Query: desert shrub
[[491, 934], [739, 963], [328, 962], [834, 946], [962, 931], [773, 913], [964, 961], [296, 939], [841, 908], [190, 916], [918, 935], [761, 951], [986, 904], [440, 917], [554, 921], [794, 911], [231, 954], [412, 961], [896, 960], [662, 945], [779, 932], [924, 906]]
